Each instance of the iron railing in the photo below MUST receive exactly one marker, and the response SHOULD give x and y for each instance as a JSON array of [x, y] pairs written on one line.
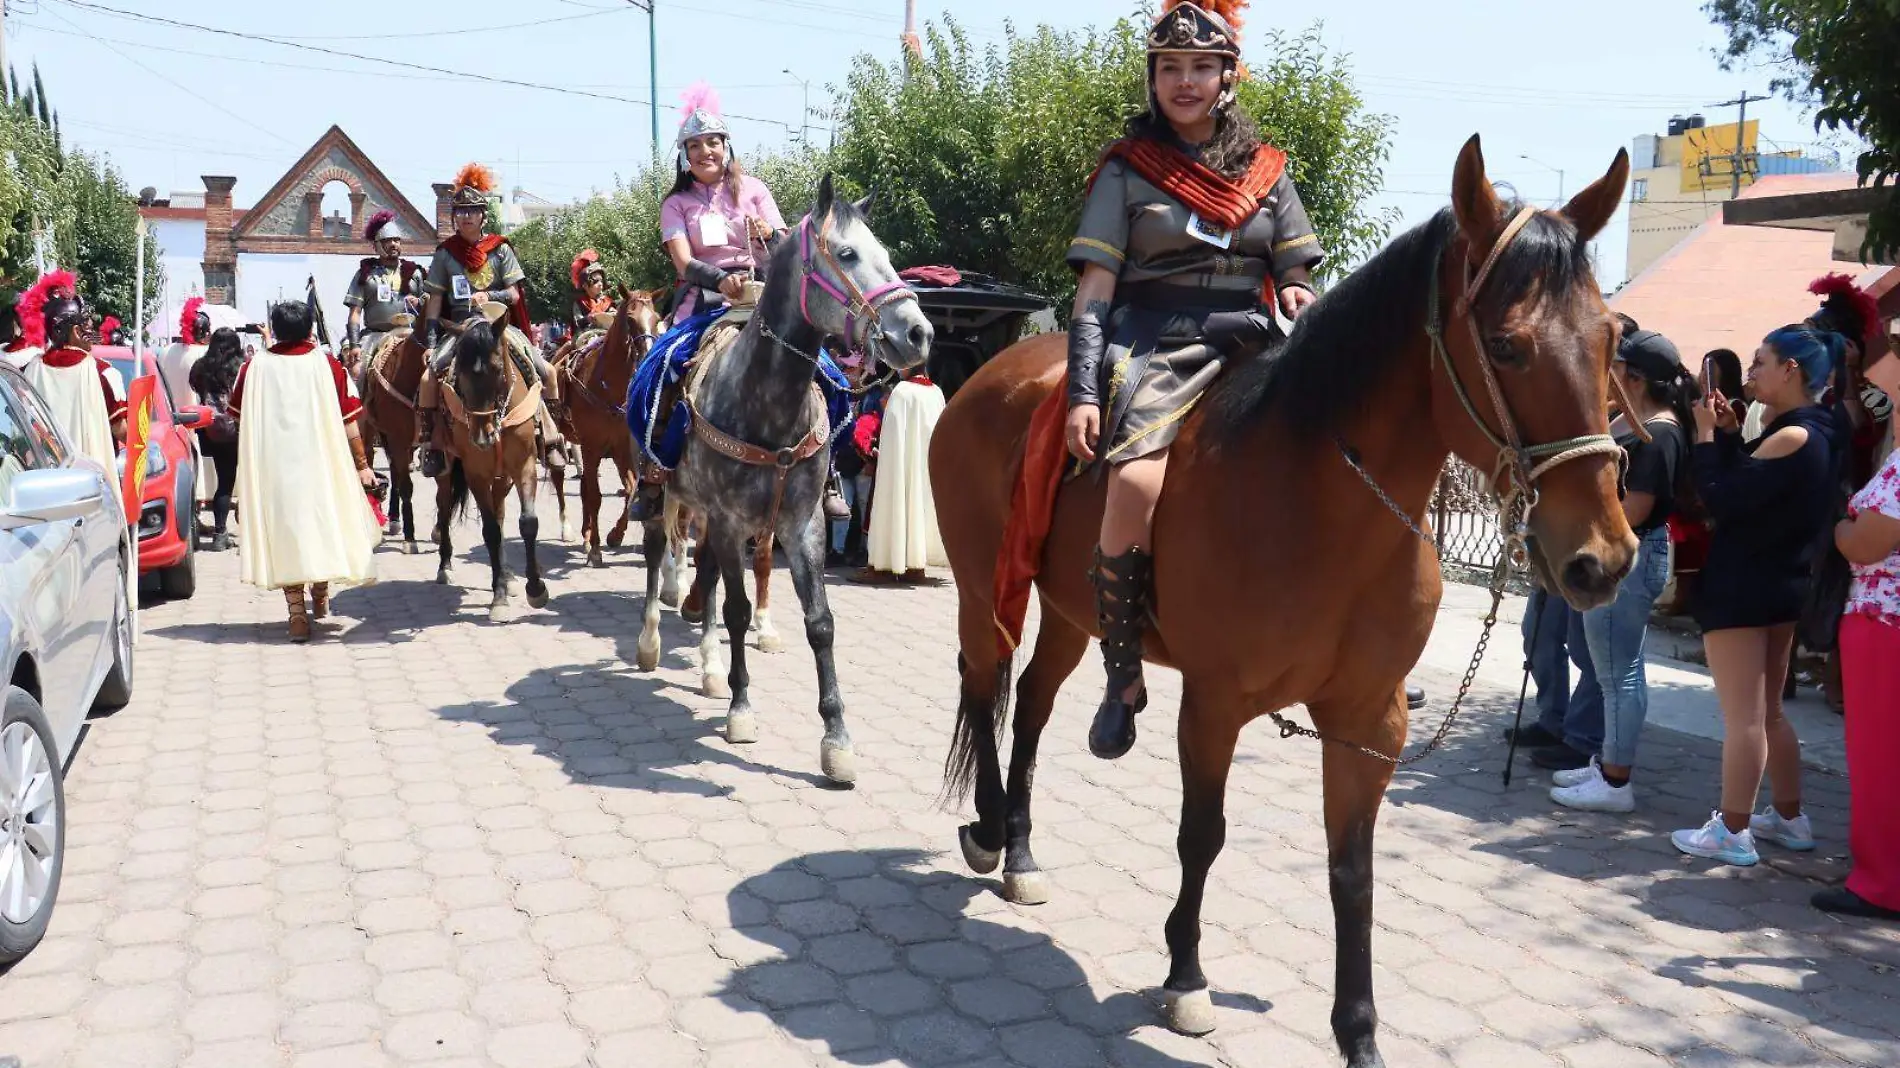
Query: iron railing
[[1464, 514]]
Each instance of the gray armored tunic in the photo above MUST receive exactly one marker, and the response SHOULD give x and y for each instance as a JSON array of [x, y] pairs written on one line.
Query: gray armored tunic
[[378, 289], [1178, 294], [458, 286]]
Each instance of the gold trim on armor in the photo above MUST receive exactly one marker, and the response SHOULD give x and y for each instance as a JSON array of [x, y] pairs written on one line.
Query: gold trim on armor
[[1100, 246], [1167, 420], [1295, 242]]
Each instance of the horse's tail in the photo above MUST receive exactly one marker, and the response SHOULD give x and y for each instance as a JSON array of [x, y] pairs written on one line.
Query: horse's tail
[[977, 715], [458, 490]]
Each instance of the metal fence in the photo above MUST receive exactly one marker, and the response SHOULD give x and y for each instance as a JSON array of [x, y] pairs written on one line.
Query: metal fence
[[1464, 513]]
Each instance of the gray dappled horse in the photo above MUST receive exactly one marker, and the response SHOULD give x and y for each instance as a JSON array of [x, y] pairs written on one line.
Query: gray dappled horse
[[757, 456]]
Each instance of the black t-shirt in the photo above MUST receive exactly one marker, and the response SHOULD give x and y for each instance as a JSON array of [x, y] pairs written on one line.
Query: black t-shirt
[[1653, 466]]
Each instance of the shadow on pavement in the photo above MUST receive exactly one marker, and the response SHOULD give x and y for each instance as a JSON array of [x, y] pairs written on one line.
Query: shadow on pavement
[[883, 960]]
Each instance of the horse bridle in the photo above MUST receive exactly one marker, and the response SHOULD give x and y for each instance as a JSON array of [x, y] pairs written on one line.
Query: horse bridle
[[856, 303]]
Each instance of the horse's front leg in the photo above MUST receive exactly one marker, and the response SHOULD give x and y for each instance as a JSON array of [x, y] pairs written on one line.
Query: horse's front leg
[[712, 666], [402, 491], [557, 479], [618, 535], [647, 649], [1354, 786], [530, 527], [728, 548], [769, 640], [444, 515], [1207, 739], [805, 554], [590, 506], [490, 506]]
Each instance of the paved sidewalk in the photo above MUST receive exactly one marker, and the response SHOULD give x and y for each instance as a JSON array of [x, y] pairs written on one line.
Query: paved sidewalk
[[425, 838]]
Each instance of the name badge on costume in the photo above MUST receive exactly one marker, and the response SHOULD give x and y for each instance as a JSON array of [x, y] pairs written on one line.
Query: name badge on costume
[[1199, 230], [712, 230], [383, 293], [460, 289]]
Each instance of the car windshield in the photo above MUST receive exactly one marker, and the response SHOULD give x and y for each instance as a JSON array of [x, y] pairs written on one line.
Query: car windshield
[[127, 372]]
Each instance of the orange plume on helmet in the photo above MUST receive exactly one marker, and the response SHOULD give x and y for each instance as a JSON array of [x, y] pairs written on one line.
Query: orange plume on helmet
[[1228, 10], [475, 176], [582, 262]]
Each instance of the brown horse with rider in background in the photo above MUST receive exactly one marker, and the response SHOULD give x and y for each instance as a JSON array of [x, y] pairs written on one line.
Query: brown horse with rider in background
[[1291, 565], [594, 383], [390, 379]]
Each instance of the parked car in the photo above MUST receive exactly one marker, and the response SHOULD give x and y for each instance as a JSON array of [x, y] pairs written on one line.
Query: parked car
[[168, 519], [974, 319], [65, 643]]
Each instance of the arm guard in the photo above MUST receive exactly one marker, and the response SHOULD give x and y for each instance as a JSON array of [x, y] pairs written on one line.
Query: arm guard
[[704, 275], [432, 334], [358, 452], [500, 296], [1087, 345]]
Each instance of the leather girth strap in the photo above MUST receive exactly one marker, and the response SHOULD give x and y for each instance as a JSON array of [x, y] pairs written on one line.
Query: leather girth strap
[[782, 461]]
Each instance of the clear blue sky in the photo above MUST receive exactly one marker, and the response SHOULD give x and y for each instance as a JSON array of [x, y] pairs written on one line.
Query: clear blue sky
[[1565, 84]]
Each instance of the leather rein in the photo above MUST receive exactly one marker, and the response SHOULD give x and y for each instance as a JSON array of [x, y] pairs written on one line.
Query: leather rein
[[858, 306]]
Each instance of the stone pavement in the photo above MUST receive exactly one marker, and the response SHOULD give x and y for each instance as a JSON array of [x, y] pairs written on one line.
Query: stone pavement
[[425, 838]]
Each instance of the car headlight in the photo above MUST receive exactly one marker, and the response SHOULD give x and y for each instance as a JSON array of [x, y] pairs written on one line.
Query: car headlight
[[155, 463]]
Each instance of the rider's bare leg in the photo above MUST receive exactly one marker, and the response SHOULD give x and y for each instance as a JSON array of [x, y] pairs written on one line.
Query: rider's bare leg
[[1123, 575]]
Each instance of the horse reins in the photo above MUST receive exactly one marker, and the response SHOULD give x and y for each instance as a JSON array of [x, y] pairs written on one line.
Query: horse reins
[[1523, 464]]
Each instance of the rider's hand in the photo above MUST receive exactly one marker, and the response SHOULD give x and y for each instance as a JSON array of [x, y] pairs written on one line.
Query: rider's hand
[[1084, 431], [367, 477], [1294, 299], [732, 287], [759, 228]]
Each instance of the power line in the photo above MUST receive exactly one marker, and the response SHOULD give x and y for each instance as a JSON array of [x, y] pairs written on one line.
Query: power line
[[591, 13]]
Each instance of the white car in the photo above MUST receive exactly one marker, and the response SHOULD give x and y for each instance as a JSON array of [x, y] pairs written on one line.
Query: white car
[[65, 643]]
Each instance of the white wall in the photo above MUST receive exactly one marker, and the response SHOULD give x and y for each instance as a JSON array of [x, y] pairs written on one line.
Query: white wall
[[181, 249], [264, 279]]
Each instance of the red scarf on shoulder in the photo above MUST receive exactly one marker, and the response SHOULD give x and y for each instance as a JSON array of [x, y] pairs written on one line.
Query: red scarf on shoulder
[[471, 257], [1206, 192]]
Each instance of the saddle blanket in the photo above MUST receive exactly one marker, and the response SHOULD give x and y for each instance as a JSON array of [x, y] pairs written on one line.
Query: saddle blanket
[[662, 435]]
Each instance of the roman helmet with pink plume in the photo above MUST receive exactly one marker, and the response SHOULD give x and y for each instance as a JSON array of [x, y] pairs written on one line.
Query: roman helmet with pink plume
[[701, 117]]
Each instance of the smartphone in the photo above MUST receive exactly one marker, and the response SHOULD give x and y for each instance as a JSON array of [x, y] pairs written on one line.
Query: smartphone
[[1708, 378]]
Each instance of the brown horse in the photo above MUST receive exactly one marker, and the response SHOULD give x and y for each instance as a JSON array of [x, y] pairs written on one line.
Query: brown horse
[[594, 383], [1283, 576], [389, 386], [492, 405]]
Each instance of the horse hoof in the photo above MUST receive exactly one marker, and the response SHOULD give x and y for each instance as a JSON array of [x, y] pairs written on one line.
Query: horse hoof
[[616, 537], [537, 595], [714, 686], [981, 861], [498, 613], [443, 578], [647, 658], [742, 728], [594, 559], [693, 618], [412, 548], [1191, 1013], [839, 763], [770, 642], [1025, 887]]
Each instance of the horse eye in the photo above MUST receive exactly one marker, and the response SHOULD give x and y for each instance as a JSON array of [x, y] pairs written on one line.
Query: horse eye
[[1504, 350], [847, 254]]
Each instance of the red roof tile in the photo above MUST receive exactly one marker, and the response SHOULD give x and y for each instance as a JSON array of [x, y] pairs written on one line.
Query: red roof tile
[[1728, 286]]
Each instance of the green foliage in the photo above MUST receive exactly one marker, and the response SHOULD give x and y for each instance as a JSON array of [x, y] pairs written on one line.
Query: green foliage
[[1843, 58], [75, 203], [981, 159]]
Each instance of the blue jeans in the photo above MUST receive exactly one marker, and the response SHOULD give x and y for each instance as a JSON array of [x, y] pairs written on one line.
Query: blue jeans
[[1615, 633], [1576, 717], [841, 528]]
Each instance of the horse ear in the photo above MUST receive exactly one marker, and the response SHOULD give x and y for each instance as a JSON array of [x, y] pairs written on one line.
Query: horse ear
[[1474, 203], [625, 295], [1591, 209], [821, 207], [864, 206]]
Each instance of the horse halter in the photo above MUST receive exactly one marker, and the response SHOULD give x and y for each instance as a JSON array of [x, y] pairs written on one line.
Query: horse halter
[[855, 302], [1524, 464]]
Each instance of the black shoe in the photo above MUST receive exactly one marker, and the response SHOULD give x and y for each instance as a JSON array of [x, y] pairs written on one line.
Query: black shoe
[[220, 542], [1414, 697], [648, 504], [1559, 757], [434, 463], [1531, 737], [1121, 600], [1844, 902]]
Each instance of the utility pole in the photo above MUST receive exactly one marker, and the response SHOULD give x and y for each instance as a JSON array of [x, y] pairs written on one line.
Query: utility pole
[[1737, 158], [804, 117], [653, 68]]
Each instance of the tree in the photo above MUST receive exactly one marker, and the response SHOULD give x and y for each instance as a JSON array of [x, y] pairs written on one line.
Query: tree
[[980, 159], [1842, 57]]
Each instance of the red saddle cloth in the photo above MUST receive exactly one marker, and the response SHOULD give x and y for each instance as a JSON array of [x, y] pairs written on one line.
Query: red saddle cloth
[[1032, 507]]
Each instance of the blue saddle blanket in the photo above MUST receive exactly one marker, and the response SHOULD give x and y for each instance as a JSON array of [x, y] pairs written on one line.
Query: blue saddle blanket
[[662, 435]]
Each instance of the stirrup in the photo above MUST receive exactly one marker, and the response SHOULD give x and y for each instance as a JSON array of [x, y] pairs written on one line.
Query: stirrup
[[434, 462], [1121, 598]]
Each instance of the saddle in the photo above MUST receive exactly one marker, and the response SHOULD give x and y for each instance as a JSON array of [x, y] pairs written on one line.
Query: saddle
[[376, 367]]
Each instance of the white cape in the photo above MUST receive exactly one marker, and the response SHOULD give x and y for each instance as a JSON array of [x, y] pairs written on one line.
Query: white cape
[[174, 366], [20, 359], [904, 535], [305, 517], [79, 408]]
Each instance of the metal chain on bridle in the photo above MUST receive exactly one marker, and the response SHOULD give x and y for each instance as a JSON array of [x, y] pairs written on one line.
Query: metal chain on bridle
[[1518, 469], [857, 304]]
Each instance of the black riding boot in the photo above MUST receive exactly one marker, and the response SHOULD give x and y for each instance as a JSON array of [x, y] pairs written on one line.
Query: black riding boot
[[648, 502], [433, 462], [1121, 602]]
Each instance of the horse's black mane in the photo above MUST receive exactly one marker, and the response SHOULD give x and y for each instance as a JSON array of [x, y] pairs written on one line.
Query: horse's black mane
[[1344, 346]]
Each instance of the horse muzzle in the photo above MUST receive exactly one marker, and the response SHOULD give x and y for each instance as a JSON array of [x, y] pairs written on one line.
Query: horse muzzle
[[903, 336]]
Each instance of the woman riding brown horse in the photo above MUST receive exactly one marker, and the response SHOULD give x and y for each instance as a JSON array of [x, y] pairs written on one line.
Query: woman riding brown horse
[[1290, 567]]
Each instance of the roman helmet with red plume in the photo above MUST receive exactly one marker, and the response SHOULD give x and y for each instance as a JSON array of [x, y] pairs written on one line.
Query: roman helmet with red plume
[[191, 330], [108, 327], [588, 262], [1850, 311], [473, 183], [54, 289], [384, 227]]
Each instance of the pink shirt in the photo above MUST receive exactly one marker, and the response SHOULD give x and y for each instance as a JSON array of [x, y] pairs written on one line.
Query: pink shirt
[[1876, 589], [716, 229]]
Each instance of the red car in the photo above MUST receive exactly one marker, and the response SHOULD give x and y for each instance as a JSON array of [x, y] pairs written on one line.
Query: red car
[[168, 517]]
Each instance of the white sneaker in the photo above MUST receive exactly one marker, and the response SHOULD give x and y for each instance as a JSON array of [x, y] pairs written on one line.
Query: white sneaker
[[1575, 776], [1796, 834], [1714, 841], [1595, 794]]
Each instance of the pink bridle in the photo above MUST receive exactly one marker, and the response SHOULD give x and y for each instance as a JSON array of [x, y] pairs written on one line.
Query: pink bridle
[[856, 304]]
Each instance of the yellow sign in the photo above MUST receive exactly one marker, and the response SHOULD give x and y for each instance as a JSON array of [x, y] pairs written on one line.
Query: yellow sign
[[1708, 156]]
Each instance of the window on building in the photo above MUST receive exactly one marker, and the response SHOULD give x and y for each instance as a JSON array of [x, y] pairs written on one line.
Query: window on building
[[1639, 189]]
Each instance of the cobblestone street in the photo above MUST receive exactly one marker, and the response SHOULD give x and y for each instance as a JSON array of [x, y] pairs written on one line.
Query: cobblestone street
[[424, 837]]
